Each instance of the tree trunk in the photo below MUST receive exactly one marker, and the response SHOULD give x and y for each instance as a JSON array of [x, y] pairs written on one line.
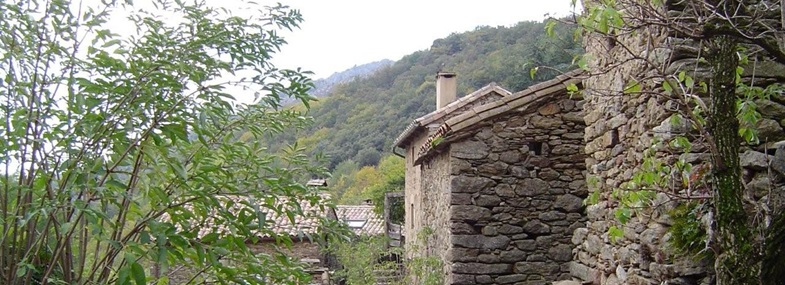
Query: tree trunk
[[773, 271], [735, 261]]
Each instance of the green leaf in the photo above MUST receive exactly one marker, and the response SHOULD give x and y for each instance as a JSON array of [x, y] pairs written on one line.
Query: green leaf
[[137, 272], [622, 214], [549, 27], [667, 87], [632, 87], [615, 233]]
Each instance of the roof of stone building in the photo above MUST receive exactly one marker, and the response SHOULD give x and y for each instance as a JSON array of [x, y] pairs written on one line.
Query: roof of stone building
[[314, 209], [317, 182], [444, 113], [361, 219], [471, 117]]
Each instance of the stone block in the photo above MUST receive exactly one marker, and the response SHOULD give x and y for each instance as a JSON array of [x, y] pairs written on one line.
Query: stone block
[[512, 156], [483, 279], [504, 190], [490, 231], [560, 253], [769, 130], [461, 228], [487, 200], [496, 168], [548, 174], [508, 229], [583, 272], [545, 122], [569, 203], [507, 279], [461, 199], [469, 213], [536, 227], [755, 160], [469, 149], [770, 109], [470, 184], [565, 149], [463, 279], [488, 258], [531, 187], [549, 109], [512, 256], [480, 242], [458, 254], [579, 235], [552, 216], [481, 268], [527, 245], [541, 268]]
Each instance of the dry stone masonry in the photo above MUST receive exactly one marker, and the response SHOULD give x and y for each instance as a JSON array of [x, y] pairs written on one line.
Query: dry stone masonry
[[621, 127], [495, 187], [518, 192]]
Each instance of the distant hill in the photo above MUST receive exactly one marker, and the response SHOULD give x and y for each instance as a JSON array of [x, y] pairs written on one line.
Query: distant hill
[[359, 119], [324, 86]]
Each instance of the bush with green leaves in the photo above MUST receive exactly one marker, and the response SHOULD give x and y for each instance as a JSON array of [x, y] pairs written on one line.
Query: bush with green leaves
[[106, 134]]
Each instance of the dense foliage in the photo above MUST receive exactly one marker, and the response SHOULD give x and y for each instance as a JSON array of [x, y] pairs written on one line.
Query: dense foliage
[[119, 150], [360, 119]]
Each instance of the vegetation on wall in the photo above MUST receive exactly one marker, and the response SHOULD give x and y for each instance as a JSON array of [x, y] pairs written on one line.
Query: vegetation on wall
[[717, 103]]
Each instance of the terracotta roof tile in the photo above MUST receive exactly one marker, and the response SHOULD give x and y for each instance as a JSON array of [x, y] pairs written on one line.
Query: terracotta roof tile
[[446, 110], [367, 221], [280, 224]]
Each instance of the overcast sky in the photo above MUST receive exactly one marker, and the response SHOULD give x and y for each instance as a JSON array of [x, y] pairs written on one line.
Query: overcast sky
[[339, 34]]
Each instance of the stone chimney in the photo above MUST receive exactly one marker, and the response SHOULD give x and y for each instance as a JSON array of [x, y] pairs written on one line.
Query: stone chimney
[[446, 89]]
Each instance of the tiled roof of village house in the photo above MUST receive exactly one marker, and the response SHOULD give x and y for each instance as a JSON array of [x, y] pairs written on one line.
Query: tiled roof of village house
[[535, 93], [373, 223], [306, 224], [452, 107]]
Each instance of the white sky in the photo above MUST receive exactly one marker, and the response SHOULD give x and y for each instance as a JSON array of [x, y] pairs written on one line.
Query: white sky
[[338, 34]]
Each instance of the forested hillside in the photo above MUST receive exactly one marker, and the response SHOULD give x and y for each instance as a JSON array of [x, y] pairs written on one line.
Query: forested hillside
[[356, 124], [323, 87], [360, 119]]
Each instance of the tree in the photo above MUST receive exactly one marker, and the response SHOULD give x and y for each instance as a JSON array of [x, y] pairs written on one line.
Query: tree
[[393, 172], [714, 98], [119, 148]]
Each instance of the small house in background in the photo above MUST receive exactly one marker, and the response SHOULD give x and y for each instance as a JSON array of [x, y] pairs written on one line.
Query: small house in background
[[495, 183], [361, 219], [305, 232]]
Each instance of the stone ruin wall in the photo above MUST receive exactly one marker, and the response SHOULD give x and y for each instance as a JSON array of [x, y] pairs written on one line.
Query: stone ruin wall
[[426, 232], [619, 128], [518, 189]]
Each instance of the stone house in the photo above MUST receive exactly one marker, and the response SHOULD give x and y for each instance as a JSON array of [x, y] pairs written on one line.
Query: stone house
[[495, 183], [305, 233], [361, 219]]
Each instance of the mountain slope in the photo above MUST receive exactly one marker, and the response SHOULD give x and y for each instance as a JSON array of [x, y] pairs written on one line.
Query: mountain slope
[[361, 118], [323, 87]]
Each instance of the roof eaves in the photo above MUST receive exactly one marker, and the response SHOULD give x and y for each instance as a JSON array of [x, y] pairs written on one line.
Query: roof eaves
[[406, 133], [441, 113]]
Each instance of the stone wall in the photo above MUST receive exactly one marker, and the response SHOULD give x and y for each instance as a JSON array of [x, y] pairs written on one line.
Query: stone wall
[[618, 131], [426, 201], [433, 239], [620, 127], [517, 192]]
